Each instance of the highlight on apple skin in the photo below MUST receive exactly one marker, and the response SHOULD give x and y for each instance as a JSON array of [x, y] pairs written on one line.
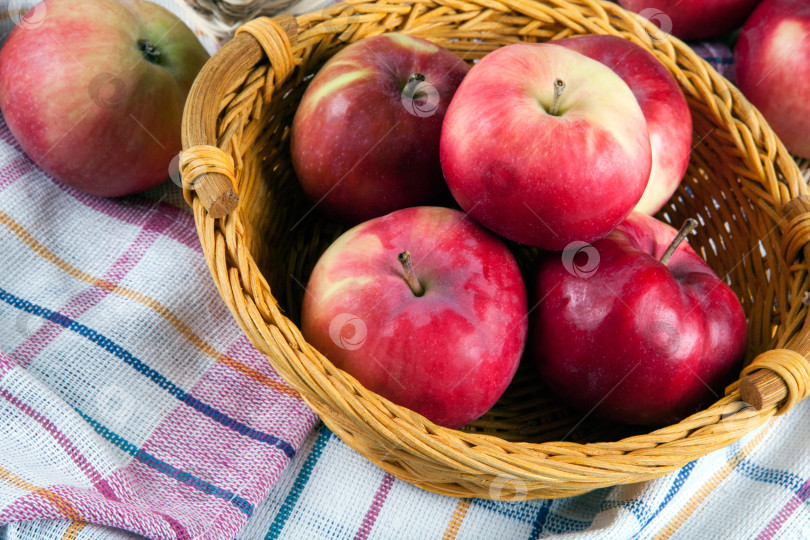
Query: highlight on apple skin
[[94, 92], [424, 307], [772, 58], [648, 335], [538, 169], [669, 120], [365, 137]]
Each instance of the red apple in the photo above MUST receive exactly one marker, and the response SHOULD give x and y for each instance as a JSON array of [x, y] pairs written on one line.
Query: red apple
[[668, 118], [541, 170], [442, 335], [365, 138], [693, 19], [95, 91], [773, 61], [631, 337]]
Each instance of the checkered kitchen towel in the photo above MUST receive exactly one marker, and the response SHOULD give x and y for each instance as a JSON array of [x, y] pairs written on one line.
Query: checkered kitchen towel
[[129, 398], [131, 405]]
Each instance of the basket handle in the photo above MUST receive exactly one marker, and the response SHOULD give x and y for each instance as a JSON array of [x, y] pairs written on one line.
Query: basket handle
[[207, 169], [784, 374]]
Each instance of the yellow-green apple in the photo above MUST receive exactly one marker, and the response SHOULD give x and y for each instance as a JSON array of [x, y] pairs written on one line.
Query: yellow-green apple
[[632, 331], [365, 137], [693, 19], [94, 92], [772, 56], [424, 307], [545, 146], [668, 118]]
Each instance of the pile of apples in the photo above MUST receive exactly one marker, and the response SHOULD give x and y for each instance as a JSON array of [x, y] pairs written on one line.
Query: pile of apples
[[93, 90], [771, 53], [567, 147]]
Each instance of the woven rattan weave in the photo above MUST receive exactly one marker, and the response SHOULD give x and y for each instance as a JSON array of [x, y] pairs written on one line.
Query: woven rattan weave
[[741, 184]]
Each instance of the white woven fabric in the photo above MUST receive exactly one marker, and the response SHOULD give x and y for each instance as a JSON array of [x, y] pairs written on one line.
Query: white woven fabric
[[82, 415], [757, 488]]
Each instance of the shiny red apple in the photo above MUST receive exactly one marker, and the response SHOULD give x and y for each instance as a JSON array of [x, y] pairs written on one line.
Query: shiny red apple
[[94, 92], [772, 67], [631, 334], [365, 138], [668, 118], [545, 146], [424, 307], [693, 19]]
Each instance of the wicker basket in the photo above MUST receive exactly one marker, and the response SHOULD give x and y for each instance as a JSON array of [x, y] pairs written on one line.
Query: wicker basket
[[741, 184]]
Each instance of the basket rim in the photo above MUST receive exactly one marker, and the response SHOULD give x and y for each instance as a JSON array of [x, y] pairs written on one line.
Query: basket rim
[[285, 341]]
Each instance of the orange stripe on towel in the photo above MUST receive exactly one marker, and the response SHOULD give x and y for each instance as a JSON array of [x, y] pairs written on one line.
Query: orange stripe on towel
[[74, 530], [711, 485], [455, 521], [63, 505], [153, 304]]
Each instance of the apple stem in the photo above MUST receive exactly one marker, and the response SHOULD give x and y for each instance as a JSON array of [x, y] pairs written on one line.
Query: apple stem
[[559, 88], [410, 276], [149, 51], [412, 85], [688, 226]]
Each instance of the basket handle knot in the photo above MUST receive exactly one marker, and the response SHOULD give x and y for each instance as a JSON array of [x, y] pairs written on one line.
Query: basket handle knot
[[776, 376], [797, 235], [274, 35], [209, 172]]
